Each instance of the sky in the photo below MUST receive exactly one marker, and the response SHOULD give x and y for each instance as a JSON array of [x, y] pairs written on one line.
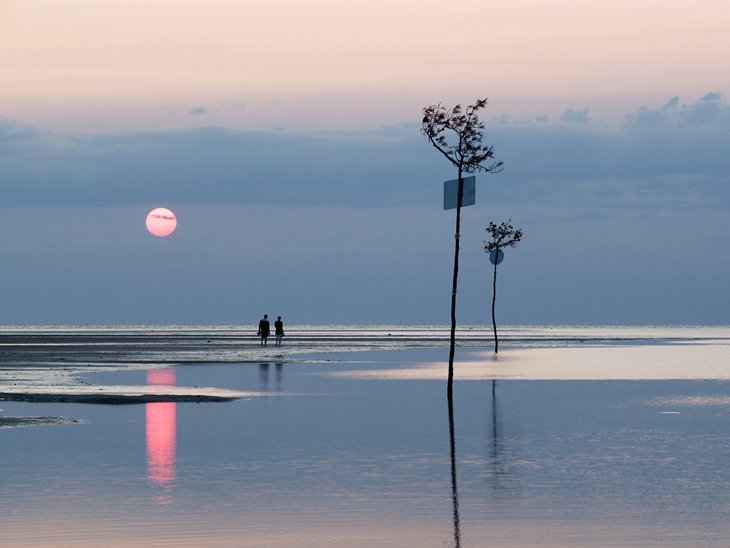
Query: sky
[[285, 137]]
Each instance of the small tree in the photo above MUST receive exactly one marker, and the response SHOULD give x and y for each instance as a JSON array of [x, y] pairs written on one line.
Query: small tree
[[504, 235], [458, 135]]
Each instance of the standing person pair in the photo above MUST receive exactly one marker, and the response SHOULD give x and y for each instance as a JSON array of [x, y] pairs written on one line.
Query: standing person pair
[[265, 330]]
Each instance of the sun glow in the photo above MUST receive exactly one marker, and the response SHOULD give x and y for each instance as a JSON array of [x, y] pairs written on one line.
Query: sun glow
[[161, 222]]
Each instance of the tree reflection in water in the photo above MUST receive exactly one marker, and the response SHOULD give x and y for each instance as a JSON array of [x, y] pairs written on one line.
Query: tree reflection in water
[[454, 491], [497, 467]]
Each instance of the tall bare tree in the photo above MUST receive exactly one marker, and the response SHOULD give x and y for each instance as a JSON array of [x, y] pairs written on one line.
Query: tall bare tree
[[458, 134], [503, 235]]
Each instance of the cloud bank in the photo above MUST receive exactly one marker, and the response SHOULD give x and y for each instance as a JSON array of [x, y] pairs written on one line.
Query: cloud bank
[[673, 154]]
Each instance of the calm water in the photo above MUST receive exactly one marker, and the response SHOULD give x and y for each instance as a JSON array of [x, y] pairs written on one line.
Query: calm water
[[345, 452]]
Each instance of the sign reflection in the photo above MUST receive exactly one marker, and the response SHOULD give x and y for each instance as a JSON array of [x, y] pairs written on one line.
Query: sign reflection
[[160, 435]]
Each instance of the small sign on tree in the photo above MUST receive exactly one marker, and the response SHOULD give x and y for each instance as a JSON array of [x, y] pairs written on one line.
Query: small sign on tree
[[503, 235], [496, 256]]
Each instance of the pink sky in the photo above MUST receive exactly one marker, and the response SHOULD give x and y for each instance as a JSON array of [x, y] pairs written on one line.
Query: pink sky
[[86, 65]]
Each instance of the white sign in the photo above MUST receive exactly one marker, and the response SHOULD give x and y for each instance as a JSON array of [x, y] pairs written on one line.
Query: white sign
[[451, 192]]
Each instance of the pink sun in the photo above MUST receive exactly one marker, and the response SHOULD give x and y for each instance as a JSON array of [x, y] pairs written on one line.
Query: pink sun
[[161, 222]]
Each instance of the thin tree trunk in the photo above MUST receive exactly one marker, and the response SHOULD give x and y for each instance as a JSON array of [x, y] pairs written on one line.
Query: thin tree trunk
[[494, 300], [449, 387]]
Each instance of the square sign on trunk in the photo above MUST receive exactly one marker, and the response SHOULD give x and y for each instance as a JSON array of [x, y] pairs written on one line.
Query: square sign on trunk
[[451, 192]]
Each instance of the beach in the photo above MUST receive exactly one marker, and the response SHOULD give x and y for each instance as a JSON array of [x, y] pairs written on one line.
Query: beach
[[588, 436]]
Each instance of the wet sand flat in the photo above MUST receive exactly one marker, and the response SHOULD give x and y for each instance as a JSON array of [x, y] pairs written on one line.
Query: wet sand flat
[[589, 439]]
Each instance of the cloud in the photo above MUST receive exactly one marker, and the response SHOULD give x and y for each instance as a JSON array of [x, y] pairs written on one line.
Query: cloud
[[213, 165], [198, 110], [14, 136], [574, 116], [674, 155], [10, 130], [708, 112]]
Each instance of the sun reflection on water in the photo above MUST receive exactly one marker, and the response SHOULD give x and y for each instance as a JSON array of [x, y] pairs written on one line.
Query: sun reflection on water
[[161, 438]]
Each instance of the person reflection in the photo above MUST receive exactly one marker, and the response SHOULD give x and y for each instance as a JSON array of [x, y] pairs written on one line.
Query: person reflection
[[161, 438], [454, 491], [264, 377], [279, 375]]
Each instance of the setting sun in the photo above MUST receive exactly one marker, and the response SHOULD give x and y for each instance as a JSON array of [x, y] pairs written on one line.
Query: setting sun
[[161, 222]]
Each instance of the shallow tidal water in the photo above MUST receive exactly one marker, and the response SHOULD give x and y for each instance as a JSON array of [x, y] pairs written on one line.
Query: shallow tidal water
[[346, 453]]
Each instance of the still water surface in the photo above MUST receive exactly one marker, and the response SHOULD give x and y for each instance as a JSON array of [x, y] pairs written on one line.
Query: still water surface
[[335, 454]]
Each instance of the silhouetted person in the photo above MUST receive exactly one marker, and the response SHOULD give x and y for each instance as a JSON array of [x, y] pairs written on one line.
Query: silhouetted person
[[279, 330], [264, 329]]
